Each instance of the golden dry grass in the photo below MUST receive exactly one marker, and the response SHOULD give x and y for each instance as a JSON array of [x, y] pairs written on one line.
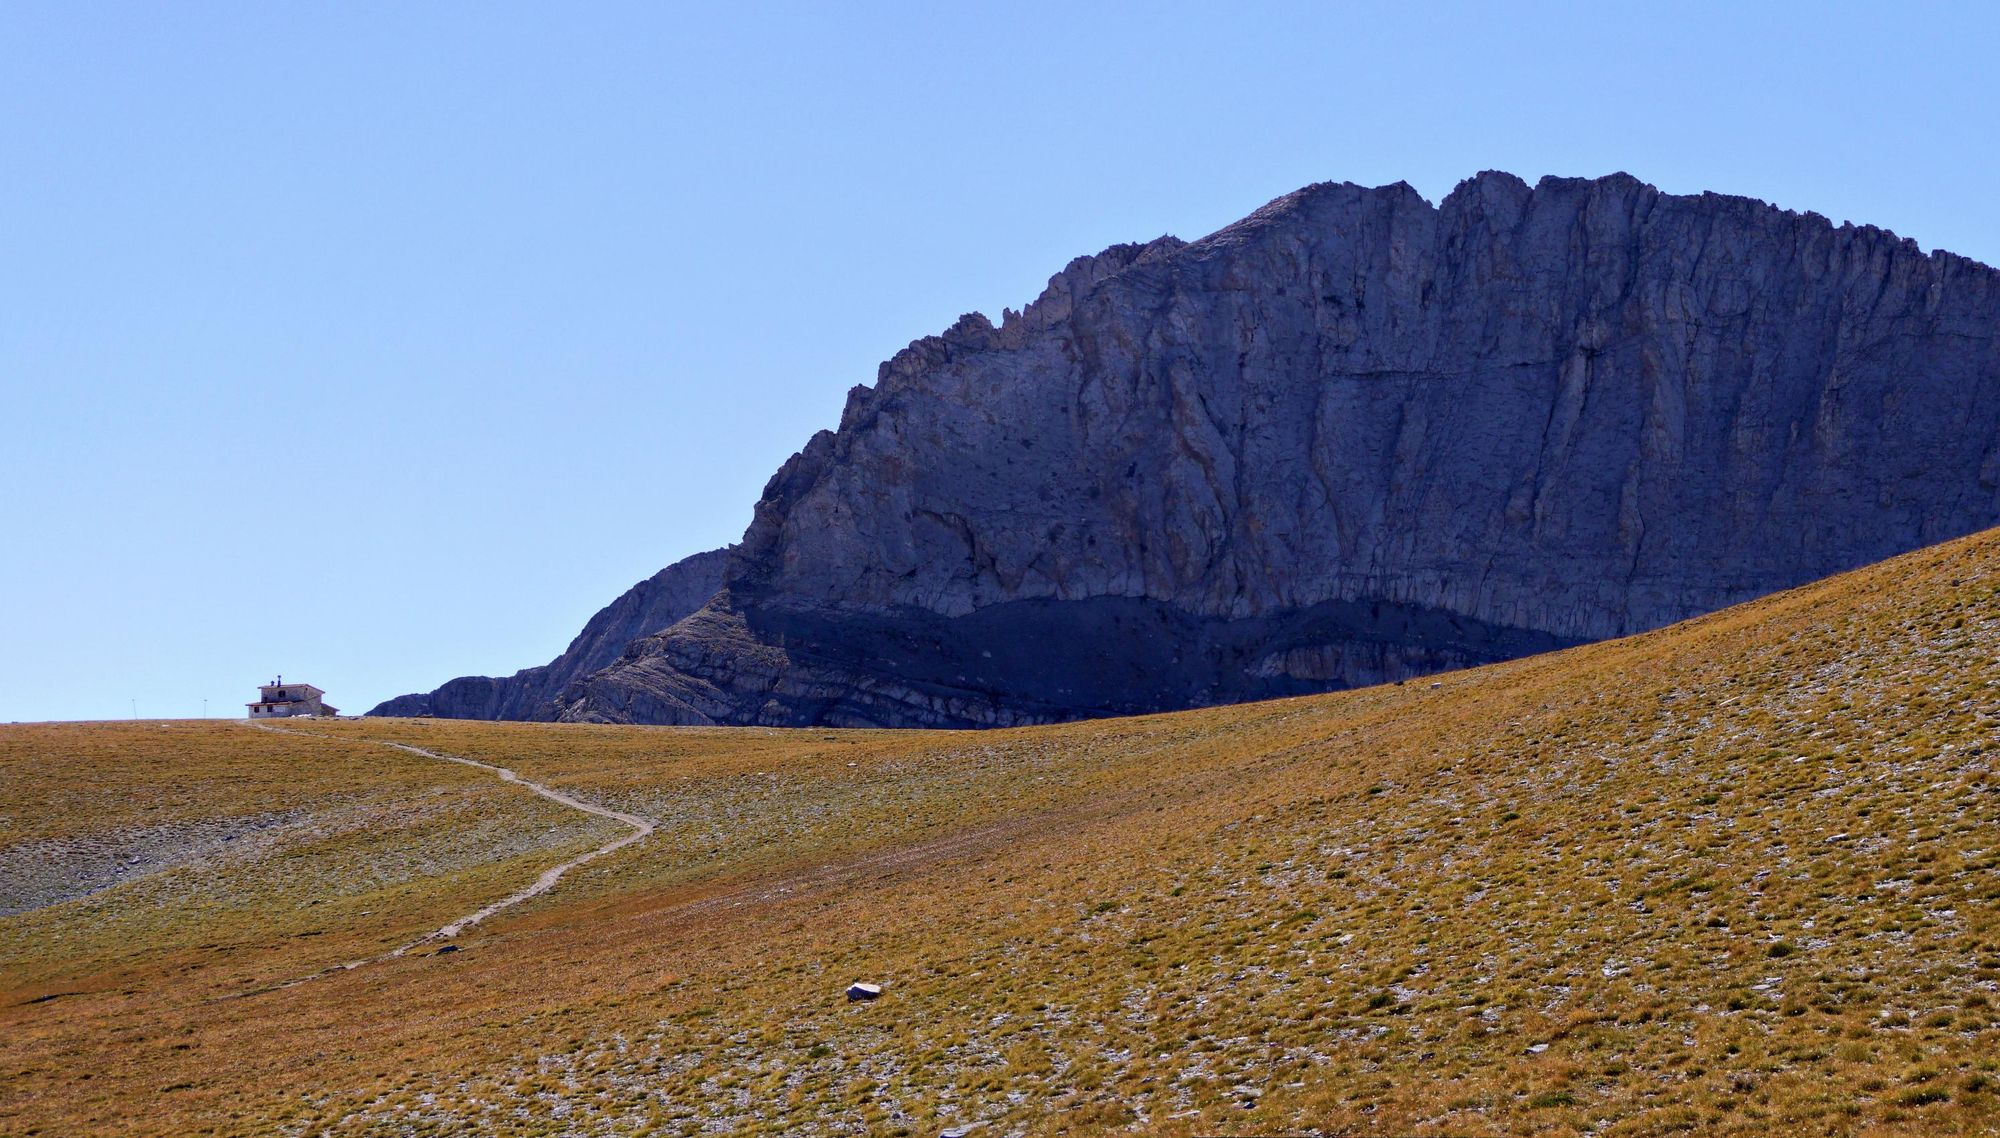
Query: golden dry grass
[[1734, 876]]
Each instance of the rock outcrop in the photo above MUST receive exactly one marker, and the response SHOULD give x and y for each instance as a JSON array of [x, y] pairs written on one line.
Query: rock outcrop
[[1353, 438], [649, 606]]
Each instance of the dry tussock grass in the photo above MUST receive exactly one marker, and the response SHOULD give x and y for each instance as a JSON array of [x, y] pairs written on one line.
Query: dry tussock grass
[[1734, 876]]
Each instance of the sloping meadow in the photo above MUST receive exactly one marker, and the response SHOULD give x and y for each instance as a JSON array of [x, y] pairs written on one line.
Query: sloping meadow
[[1736, 875]]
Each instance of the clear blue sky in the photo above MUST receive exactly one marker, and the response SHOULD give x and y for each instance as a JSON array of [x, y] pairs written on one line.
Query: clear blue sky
[[378, 344]]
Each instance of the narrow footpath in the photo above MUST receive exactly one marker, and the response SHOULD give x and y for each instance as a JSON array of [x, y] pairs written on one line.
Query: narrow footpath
[[547, 881]]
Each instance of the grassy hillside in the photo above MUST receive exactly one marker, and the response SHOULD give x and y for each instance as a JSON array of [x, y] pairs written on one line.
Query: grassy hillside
[[1735, 876]]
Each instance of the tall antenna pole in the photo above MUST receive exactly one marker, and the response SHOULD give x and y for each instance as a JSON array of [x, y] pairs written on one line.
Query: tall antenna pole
[[135, 708]]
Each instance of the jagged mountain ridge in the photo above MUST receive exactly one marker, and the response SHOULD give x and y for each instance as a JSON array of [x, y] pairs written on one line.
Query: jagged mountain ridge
[[1354, 437]]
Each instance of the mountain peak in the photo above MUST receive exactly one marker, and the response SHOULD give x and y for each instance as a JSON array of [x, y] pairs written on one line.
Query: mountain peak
[[1352, 438]]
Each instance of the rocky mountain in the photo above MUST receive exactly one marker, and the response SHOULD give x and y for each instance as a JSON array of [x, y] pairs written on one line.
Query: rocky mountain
[[1355, 437], [647, 607]]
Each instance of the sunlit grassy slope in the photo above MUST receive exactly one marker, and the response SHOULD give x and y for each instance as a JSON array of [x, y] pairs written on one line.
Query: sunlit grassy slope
[[1735, 876]]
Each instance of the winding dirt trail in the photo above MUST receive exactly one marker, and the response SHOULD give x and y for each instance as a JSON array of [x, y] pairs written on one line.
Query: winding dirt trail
[[641, 827]]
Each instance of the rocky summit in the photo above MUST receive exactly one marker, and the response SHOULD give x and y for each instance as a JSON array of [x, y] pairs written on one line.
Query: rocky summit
[[1352, 438]]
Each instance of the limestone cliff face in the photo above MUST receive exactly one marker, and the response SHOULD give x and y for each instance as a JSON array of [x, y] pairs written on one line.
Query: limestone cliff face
[[649, 606], [1354, 437]]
